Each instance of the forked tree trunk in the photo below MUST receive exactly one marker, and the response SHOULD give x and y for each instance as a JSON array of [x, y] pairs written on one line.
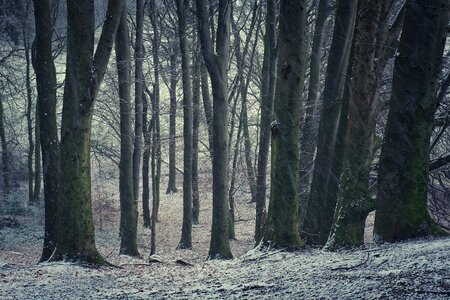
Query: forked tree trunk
[[217, 65], [282, 228], [128, 204], [401, 205], [84, 73]]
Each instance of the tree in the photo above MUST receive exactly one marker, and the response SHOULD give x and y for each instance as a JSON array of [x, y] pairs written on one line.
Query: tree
[[217, 65], [138, 93], [128, 202], [183, 7], [84, 73], [267, 93], [195, 137], [171, 185], [282, 227], [369, 61], [401, 204], [5, 159], [48, 131], [309, 129], [320, 206]]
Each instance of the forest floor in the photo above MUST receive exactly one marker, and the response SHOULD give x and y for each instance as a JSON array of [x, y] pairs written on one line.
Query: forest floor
[[412, 270]]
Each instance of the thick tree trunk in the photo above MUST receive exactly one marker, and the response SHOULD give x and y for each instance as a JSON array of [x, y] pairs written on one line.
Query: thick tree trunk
[[128, 204], [319, 209], [267, 96], [282, 227], [84, 73], [48, 130], [401, 205], [217, 65], [183, 7]]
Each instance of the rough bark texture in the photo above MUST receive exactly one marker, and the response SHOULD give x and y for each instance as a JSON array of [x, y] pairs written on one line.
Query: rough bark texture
[[84, 73], [128, 204], [404, 164], [217, 64], [308, 135], [267, 95], [183, 7], [319, 208], [282, 227], [48, 130]]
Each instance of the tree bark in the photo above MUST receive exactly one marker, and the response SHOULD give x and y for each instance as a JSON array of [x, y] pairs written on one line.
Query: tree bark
[[84, 73], [267, 96], [146, 163], [29, 108], [128, 203], [171, 187], [48, 131], [5, 155], [308, 135], [282, 228], [183, 7], [196, 86], [217, 65], [319, 209], [138, 93], [401, 204]]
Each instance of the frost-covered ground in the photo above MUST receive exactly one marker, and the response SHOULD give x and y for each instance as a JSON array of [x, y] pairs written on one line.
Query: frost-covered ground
[[413, 270]]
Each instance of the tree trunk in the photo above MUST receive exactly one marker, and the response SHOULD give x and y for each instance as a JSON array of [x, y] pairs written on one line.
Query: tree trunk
[[267, 96], [48, 131], [183, 7], [171, 187], [354, 201], [84, 73], [138, 92], [401, 205], [5, 156], [207, 106], [282, 228], [29, 109], [146, 163], [37, 158], [308, 135], [128, 204], [319, 209], [195, 127], [217, 65]]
